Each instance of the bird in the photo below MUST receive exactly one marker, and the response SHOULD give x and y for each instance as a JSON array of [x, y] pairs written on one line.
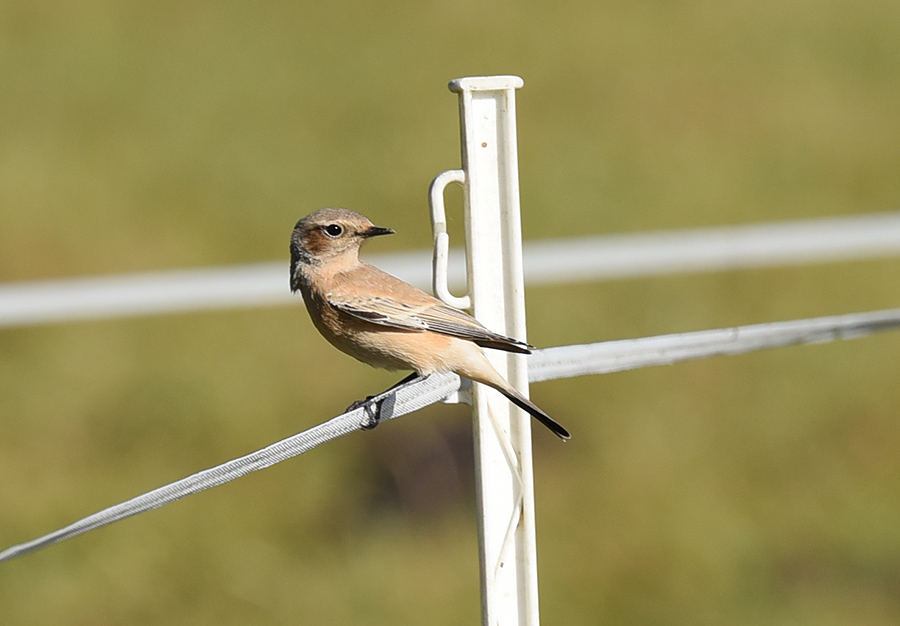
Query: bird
[[385, 322]]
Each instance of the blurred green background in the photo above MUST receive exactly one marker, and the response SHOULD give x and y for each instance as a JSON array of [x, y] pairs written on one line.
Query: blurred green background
[[761, 489]]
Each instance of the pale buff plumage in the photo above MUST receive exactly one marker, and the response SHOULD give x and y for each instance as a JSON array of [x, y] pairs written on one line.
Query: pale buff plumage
[[383, 321]]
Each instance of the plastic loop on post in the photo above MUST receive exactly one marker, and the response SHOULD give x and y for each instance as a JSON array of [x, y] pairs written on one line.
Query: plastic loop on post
[[442, 238]]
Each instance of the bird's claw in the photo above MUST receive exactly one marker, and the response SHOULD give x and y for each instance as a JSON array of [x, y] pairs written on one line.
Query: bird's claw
[[372, 408]]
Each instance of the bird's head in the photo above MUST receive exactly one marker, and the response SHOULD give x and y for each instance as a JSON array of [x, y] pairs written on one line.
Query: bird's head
[[329, 236]]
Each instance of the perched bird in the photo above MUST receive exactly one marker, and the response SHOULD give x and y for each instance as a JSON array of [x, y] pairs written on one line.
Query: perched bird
[[385, 322]]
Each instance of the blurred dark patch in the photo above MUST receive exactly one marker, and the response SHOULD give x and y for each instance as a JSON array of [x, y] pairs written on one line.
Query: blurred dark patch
[[824, 570], [419, 470]]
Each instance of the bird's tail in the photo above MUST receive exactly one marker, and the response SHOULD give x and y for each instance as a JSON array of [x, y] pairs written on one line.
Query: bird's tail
[[474, 365], [527, 405]]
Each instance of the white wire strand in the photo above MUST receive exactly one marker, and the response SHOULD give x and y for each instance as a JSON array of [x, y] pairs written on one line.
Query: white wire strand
[[545, 262], [616, 356], [547, 364], [393, 403]]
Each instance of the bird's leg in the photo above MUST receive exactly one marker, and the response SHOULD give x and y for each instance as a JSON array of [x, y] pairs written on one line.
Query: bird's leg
[[408, 379], [372, 404]]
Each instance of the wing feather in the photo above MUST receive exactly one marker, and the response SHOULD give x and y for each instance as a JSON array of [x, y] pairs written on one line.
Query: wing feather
[[432, 315]]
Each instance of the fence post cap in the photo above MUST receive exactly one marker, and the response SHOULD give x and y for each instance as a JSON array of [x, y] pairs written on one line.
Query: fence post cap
[[485, 83]]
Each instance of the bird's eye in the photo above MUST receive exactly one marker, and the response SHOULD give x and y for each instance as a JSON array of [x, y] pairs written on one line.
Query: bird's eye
[[333, 230]]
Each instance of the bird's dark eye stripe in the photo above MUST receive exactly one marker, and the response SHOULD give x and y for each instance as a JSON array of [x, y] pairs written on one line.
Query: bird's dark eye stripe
[[333, 230]]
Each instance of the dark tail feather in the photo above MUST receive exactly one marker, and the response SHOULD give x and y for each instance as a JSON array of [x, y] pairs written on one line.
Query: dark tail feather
[[506, 344], [527, 405]]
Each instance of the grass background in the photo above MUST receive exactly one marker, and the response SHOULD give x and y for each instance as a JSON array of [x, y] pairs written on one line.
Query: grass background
[[761, 489]]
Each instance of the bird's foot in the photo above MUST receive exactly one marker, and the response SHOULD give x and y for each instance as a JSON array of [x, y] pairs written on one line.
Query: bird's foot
[[372, 407], [373, 404]]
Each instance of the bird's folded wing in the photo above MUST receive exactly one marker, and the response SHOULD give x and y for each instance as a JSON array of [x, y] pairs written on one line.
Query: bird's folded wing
[[380, 310], [434, 316]]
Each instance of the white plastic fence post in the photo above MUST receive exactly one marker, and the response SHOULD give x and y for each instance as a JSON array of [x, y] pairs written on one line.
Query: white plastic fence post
[[504, 481]]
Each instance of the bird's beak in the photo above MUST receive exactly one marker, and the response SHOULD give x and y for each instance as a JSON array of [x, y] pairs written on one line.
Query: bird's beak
[[375, 231]]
